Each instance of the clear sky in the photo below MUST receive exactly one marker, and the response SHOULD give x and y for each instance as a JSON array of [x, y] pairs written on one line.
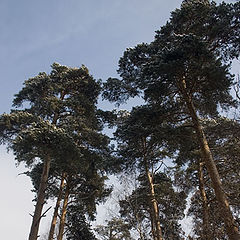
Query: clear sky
[[34, 34]]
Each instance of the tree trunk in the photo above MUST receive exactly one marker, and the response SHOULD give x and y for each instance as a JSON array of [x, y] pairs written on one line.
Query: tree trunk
[[40, 200], [55, 214], [63, 215], [230, 225], [155, 210], [157, 231], [152, 220], [205, 210]]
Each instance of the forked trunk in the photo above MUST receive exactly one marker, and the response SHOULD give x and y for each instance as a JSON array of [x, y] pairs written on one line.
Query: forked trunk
[[230, 224], [63, 215], [55, 214], [205, 209], [40, 200]]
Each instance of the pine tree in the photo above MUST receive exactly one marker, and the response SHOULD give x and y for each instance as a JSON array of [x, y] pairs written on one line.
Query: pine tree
[[184, 70], [142, 145], [57, 124]]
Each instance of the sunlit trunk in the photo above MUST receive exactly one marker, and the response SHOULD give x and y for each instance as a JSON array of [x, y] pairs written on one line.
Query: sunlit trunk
[[155, 210], [64, 213], [156, 228], [40, 200], [55, 214], [230, 225]]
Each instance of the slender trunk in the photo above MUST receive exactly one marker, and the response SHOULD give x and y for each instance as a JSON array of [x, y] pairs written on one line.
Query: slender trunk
[[33, 235], [153, 230], [205, 210], [155, 210], [40, 200], [55, 214], [63, 215], [230, 225]]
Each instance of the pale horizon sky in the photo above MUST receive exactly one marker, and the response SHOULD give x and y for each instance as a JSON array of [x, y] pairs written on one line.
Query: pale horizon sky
[[34, 34]]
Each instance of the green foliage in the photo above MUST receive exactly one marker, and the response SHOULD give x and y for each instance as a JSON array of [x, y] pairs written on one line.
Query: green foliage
[[115, 229], [59, 120], [143, 126], [217, 25], [31, 137], [56, 118], [77, 227], [181, 51], [88, 189]]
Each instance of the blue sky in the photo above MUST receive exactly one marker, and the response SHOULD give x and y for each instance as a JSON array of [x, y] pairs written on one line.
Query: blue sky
[[34, 34]]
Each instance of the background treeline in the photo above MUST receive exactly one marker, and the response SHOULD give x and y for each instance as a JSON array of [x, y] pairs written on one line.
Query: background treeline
[[179, 145]]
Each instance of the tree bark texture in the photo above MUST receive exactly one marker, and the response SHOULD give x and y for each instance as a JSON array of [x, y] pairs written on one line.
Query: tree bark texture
[[55, 214], [40, 200], [64, 213], [230, 224]]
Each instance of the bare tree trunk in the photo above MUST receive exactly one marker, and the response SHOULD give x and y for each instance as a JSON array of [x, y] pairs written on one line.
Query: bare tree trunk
[[63, 215], [157, 231], [205, 209], [230, 224], [55, 214], [40, 200]]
